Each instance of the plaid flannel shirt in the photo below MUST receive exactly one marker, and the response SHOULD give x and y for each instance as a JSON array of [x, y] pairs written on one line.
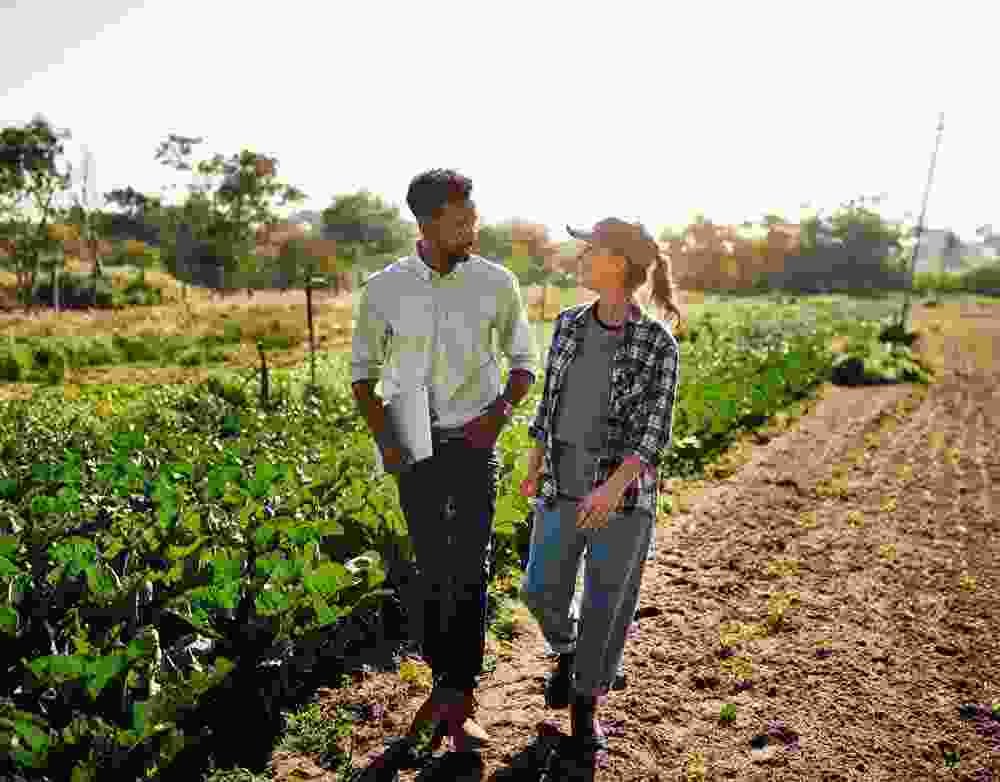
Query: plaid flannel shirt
[[644, 375]]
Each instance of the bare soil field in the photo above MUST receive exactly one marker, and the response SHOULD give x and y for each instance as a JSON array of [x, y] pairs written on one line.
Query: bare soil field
[[841, 590]]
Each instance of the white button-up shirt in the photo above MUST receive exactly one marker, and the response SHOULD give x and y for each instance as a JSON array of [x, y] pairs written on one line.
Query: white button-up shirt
[[416, 327]]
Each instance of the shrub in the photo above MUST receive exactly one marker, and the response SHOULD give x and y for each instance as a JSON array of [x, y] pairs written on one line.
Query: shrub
[[15, 362], [76, 290], [140, 293], [50, 362], [136, 349], [232, 392], [191, 357]]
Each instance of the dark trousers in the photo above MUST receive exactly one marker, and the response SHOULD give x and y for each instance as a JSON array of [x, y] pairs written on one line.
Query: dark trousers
[[448, 501]]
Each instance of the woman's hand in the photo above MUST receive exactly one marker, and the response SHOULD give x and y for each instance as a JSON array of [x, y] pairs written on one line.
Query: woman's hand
[[529, 486], [594, 509]]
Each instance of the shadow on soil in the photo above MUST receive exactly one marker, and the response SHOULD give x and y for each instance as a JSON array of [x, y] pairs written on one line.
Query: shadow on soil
[[549, 758]]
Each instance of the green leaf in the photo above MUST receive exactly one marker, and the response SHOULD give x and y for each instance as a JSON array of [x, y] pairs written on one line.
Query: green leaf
[[99, 580], [7, 568], [182, 552], [8, 488], [264, 534], [8, 619], [37, 739], [61, 666], [180, 470], [102, 670], [192, 521], [327, 579], [8, 546], [325, 614], [304, 533], [83, 772], [140, 712], [331, 527], [225, 570], [142, 647], [42, 505], [271, 602]]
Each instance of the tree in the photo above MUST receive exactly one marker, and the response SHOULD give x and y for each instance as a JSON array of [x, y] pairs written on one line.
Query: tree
[[369, 232], [30, 183], [852, 247], [215, 233]]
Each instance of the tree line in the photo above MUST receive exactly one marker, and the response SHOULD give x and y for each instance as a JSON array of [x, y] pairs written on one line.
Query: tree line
[[238, 228]]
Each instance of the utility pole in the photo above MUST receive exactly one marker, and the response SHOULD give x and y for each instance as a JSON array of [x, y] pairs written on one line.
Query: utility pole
[[904, 320]]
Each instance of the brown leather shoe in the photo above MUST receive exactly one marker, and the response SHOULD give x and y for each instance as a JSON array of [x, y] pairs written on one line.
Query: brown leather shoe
[[434, 713], [467, 734]]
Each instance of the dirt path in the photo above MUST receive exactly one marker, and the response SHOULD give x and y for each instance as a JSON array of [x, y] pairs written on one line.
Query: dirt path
[[873, 516]]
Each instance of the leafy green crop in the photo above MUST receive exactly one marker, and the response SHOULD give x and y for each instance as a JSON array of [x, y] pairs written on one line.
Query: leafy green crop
[[156, 542]]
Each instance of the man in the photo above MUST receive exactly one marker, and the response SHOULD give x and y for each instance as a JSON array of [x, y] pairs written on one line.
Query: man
[[428, 319]]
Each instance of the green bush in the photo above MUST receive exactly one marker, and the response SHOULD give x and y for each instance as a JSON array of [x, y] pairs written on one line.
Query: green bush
[[232, 391], [50, 362], [984, 280], [232, 332], [15, 362], [875, 362], [139, 293], [275, 342], [100, 351], [76, 290], [191, 357], [136, 349]]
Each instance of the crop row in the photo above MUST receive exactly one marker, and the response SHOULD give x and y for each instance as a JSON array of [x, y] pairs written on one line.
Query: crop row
[[157, 547]]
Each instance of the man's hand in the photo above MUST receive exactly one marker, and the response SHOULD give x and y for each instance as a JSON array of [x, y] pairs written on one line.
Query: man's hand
[[593, 510], [394, 459], [482, 432]]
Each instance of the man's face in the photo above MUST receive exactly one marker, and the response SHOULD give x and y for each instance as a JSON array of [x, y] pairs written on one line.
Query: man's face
[[455, 230]]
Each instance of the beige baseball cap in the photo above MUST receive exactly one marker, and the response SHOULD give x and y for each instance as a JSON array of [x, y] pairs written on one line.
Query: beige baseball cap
[[629, 239]]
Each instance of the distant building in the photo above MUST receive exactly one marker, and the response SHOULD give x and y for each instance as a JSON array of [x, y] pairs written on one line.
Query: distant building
[[940, 249]]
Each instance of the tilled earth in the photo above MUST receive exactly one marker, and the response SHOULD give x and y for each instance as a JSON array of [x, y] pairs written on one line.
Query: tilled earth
[[840, 591]]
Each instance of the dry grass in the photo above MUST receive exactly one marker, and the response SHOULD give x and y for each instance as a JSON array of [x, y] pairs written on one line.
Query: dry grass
[[266, 314], [955, 319]]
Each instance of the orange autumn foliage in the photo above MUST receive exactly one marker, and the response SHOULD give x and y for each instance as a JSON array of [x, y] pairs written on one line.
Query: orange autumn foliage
[[708, 256]]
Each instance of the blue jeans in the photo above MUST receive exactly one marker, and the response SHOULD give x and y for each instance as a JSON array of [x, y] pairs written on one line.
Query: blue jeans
[[449, 501], [616, 556]]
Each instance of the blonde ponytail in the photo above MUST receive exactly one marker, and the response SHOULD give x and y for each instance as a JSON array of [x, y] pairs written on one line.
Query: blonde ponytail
[[659, 286]]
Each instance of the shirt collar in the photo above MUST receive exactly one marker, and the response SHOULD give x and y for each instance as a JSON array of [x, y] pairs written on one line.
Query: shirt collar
[[634, 315], [417, 265]]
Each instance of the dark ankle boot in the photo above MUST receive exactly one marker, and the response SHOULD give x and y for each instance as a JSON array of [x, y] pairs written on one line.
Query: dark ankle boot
[[560, 683], [588, 735]]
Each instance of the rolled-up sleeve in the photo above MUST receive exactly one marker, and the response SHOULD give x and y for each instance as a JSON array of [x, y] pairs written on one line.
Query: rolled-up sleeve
[[368, 339], [657, 434], [516, 338]]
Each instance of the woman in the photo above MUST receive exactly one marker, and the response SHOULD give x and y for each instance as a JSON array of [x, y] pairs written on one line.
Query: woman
[[603, 425]]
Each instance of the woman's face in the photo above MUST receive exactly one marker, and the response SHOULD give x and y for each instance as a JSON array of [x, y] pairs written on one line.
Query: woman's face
[[600, 269]]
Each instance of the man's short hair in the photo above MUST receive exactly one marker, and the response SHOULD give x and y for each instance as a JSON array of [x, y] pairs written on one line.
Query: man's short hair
[[430, 191]]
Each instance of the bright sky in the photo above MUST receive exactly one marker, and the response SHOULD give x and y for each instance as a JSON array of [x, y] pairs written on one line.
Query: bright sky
[[559, 111]]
